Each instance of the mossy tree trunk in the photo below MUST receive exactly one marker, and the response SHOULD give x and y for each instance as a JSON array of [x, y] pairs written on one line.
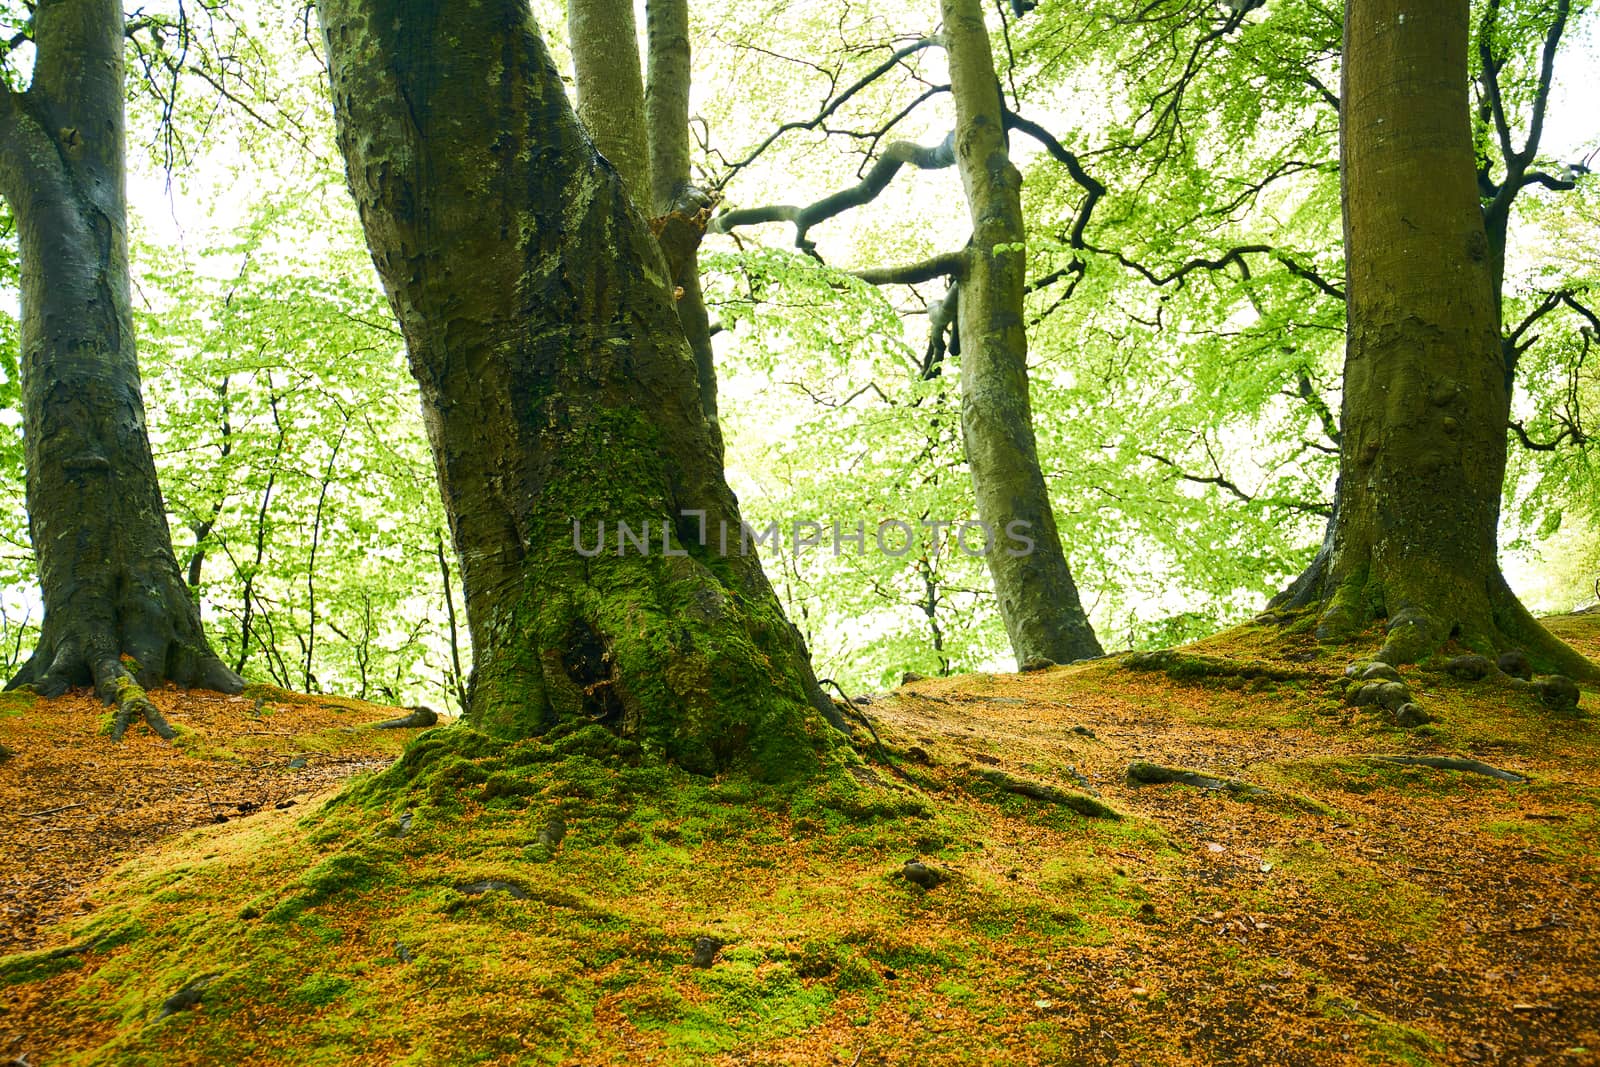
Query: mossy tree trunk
[[1413, 539], [113, 594], [559, 394], [1038, 598]]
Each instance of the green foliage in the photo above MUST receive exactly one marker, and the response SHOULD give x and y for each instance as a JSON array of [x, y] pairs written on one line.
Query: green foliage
[[835, 424], [19, 613], [292, 455], [1185, 346]]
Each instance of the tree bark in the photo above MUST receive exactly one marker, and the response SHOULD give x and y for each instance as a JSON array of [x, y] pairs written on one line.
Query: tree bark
[[610, 88], [116, 606], [679, 209], [1413, 538], [558, 394], [1037, 596]]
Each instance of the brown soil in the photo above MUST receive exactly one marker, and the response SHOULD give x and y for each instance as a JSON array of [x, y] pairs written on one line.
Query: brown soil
[[73, 804]]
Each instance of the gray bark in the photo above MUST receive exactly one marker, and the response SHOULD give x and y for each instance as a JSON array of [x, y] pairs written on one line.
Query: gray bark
[[680, 209], [113, 592], [1413, 540], [1038, 598], [610, 88]]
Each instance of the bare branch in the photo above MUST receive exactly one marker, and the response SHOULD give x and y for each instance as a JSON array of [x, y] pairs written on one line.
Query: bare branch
[[1549, 181], [946, 265], [897, 155], [829, 108], [877, 135]]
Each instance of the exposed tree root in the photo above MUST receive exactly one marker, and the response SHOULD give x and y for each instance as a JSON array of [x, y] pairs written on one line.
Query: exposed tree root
[[189, 995], [132, 702], [1082, 803], [420, 717], [1184, 665], [62, 661], [1143, 773], [1453, 763], [1421, 617]]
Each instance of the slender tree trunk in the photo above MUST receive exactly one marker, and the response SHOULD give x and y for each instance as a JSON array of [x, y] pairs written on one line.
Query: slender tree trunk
[[1037, 596], [1413, 539], [558, 394], [610, 88], [113, 592], [678, 208]]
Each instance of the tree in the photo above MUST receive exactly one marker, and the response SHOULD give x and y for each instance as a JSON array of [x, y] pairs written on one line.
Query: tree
[[1037, 597], [1413, 537], [114, 597], [561, 402], [642, 127]]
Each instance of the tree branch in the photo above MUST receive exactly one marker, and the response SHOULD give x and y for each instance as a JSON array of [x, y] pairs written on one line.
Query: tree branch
[[1092, 187], [1539, 446], [1217, 480], [1306, 273], [946, 265], [1329, 97], [1308, 392], [944, 318], [897, 155], [8, 108], [829, 108], [1549, 181], [1541, 96], [1490, 78]]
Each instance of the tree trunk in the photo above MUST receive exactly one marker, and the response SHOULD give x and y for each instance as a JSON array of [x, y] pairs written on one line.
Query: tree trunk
[[1413, 539], [113, 592], [558, 394], [1037, 596], [610, 88], [679, 209]]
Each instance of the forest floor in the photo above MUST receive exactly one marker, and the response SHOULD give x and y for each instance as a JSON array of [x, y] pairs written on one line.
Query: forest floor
[[484, 902]]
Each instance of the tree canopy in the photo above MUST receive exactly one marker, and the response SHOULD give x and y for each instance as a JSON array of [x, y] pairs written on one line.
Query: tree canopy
[[1184, 314]]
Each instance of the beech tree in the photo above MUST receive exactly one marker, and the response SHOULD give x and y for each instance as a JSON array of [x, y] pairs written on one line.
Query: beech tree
[[117, 611], [1413, 537], [640, 122], [1036, 594], [559, 394]]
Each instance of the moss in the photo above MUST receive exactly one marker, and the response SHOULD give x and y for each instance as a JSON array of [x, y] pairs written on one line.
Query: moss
[[320, 990], [343, 872], [1401, 910], [24, 967], [1185, 666]]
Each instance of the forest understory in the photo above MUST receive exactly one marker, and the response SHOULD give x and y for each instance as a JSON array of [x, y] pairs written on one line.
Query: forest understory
[[1111, 865]]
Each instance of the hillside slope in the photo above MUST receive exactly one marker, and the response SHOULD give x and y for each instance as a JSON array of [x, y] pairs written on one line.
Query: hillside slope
[[1283, 896]]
